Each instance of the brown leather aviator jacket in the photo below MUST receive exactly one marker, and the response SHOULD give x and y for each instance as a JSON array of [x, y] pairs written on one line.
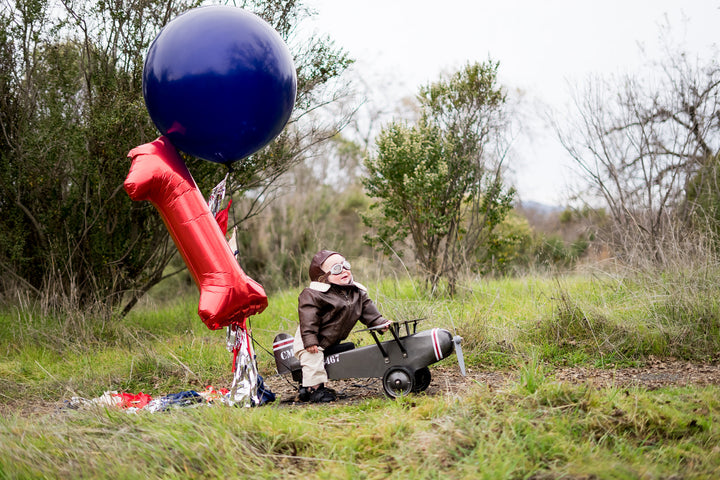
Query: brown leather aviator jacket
[[328, 312]]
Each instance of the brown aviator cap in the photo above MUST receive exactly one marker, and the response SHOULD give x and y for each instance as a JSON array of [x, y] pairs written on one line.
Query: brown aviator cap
[[320, 257]]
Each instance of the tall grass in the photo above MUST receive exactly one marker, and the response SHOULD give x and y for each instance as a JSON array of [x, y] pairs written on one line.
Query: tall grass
[[627, 319], [533, 428]]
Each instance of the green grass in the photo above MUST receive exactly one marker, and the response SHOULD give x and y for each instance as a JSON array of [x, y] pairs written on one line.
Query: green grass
[[556, 432], [533, 428]]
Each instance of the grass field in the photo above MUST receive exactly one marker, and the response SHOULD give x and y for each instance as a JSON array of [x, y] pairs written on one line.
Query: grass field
[[535, 427]]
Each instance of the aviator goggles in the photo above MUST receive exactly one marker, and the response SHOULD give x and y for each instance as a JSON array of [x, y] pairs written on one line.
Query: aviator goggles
[[338, 268]]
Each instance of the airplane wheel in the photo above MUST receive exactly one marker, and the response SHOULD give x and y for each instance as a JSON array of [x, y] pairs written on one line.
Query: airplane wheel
[[422, 379], [397, 382]]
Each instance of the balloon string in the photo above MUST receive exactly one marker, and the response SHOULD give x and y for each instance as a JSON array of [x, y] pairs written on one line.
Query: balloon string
[[231, 211]]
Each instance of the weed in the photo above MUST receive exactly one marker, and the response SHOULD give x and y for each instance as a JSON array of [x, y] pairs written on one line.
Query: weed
[[531, 374]]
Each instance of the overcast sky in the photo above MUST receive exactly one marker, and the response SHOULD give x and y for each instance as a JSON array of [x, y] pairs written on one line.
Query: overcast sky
[[543, 47]]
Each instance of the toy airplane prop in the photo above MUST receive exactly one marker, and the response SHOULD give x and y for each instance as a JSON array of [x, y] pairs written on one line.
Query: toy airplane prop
[[401, 362]]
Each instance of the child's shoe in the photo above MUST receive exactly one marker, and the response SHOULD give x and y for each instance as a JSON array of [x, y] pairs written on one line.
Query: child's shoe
[[322, 394], [303, 394]]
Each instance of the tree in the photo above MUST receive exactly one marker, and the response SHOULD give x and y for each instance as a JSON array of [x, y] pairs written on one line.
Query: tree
[[72, 89], [703, 199], [71, 108], [647, 147], [438, 182]]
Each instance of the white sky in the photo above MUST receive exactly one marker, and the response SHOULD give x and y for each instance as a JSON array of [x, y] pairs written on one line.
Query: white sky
[[544, 47]]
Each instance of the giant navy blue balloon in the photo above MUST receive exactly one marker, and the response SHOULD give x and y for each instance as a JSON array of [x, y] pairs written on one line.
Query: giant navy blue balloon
[[219, 82]]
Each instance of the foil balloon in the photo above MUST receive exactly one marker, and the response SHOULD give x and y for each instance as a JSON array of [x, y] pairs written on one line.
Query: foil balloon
[[219, 82], [227, 294]]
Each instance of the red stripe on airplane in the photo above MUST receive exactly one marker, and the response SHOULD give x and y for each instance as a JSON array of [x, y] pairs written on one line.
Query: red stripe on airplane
[[283, 343], [436, 344]]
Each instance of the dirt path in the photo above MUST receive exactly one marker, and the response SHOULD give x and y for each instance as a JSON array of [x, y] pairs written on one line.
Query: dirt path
[[447, 380]]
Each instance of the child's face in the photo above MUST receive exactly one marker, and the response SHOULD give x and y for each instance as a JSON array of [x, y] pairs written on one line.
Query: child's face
[[342, 278]]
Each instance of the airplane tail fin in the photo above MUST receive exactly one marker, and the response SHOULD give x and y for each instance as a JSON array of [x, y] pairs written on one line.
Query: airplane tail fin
[[285, 360]]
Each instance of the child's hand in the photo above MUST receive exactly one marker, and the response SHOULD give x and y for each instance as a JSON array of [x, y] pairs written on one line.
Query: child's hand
[[312, 349]]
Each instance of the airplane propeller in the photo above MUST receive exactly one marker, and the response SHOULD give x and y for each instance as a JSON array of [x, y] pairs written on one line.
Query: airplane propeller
[[458, 349], [459, 353]]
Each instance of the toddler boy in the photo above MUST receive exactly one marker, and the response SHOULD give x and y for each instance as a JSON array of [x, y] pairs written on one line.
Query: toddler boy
[[328, 310]]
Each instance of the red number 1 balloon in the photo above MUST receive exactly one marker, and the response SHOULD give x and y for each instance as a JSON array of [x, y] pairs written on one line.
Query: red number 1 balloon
[[227, 294]]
